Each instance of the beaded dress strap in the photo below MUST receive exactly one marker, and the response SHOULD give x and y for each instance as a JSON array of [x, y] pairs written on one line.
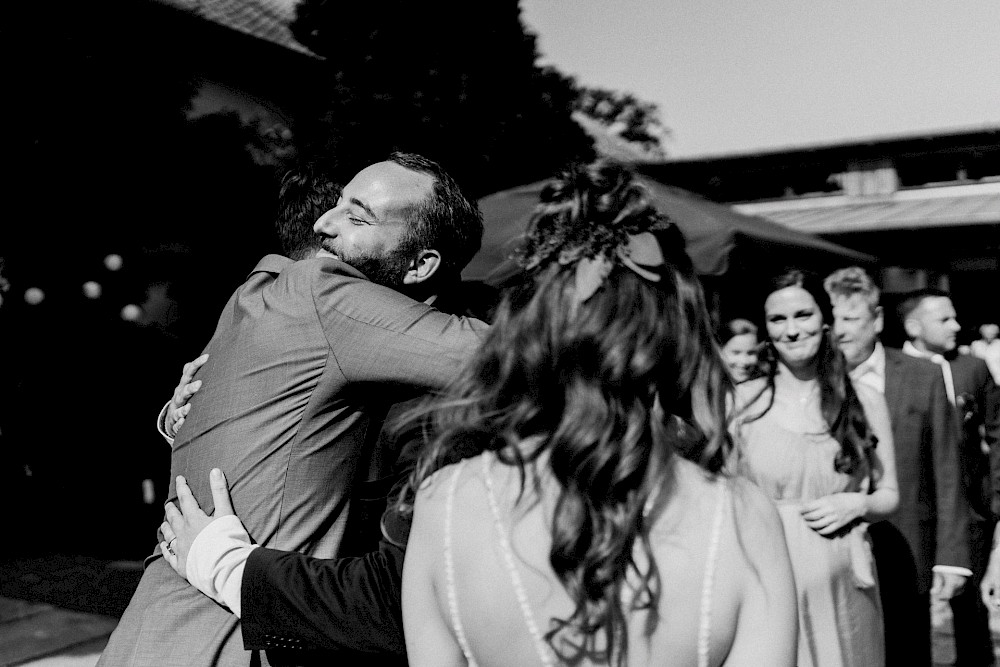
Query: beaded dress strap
[[705, 624], [449, 569], [544, 653]]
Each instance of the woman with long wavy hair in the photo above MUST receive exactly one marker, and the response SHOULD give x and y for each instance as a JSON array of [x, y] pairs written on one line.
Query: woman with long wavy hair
[[822, 448], [590, 520]]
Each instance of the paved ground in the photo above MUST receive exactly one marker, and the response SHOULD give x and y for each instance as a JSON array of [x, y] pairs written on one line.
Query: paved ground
[[58, 611]]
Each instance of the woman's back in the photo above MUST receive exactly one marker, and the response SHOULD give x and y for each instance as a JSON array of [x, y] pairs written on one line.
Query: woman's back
[[713, 578]]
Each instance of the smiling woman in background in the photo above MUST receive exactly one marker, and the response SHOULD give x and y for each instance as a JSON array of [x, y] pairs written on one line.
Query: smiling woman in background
[[738, 338], [808, 438]]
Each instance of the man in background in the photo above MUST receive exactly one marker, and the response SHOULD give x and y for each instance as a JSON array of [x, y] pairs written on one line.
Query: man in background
[[931, 325], [922, 549]]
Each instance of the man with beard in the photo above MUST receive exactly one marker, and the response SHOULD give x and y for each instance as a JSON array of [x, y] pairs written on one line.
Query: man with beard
[[922, 549], [304, 354], [932, 327]]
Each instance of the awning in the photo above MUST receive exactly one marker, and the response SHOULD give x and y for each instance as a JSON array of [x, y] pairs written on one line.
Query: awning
[[905, 210], [718, 238]]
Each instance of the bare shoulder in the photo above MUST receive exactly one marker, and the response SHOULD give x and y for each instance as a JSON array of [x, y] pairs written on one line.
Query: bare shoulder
[[756, 518]]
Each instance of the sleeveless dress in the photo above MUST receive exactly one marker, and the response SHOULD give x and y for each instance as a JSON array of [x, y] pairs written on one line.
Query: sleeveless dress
[[546, 656], [840, 616]]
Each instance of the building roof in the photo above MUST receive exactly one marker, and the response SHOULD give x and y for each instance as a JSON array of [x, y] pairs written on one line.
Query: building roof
[[908, 209], [265, 19]]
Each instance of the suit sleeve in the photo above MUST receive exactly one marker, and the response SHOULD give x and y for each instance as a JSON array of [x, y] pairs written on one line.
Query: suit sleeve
[[952, 516], [990, 409], [353, 604], [378, 335]]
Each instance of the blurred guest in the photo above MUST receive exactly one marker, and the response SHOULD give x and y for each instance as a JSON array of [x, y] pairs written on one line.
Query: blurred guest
[[303, 354], [987, 348], [808, 437], [921, 548], [593, 419], [931, 324], [739, 349]]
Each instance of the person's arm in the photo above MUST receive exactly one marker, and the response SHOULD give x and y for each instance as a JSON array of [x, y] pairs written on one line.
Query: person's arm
[[768, 606], [830, 513], [283, 598], [952, 521], [429, 639], [990, 407], [378, 335], [337, 603], [176, 410]]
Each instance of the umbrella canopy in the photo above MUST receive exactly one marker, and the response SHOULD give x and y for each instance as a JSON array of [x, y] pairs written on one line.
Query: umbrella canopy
[[719, 239]]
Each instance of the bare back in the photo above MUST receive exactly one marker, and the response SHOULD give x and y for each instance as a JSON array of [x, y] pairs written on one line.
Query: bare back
[[699, 589]]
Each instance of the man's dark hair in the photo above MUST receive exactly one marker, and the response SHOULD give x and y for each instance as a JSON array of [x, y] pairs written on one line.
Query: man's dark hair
[[446, 221], [306, 194], [912, 300]]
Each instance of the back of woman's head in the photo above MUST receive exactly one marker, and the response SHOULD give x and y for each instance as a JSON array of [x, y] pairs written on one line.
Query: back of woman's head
[[602, 358]]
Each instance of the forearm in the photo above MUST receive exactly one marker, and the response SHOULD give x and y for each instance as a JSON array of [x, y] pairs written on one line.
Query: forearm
[[880, 504], [334, 604]]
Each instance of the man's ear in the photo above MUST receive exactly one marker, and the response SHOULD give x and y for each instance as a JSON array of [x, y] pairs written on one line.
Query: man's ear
[[425, 265], [879, 320], [912, 328]]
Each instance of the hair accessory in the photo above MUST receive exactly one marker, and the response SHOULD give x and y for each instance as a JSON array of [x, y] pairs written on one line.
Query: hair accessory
[[641, 253]]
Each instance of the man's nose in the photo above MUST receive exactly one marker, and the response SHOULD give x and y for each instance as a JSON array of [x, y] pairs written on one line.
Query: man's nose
[[325, 225]]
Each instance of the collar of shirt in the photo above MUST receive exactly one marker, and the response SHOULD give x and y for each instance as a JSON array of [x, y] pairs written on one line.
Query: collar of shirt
[[871, 371], [949, 382]]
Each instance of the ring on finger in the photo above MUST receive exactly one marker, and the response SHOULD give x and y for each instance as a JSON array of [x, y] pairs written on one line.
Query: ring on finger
[[170, 546]]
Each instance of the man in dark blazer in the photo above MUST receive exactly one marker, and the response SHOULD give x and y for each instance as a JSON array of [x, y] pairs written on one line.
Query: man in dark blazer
[[931, 325], [922, 549], [304, 353]]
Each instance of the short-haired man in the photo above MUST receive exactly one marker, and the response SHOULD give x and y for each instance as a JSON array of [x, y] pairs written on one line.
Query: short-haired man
[[922, 548], [931, 325], [303, 354]]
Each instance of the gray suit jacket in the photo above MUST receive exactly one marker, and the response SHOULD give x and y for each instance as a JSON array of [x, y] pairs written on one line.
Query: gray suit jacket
[[303, 354], [978, 399], [933, 513]]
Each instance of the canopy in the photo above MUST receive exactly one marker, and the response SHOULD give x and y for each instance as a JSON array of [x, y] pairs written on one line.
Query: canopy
[[719, 239]]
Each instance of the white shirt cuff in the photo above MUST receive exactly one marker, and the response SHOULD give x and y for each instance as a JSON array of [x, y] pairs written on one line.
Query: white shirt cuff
[[217, 558], [952, 569], [161, 424]]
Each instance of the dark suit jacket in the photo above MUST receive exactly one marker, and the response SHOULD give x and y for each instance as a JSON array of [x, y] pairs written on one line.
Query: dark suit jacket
[[978, 399], [303, 353], [933, 513]]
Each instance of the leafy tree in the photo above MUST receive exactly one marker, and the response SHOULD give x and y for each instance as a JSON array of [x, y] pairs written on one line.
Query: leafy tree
[[626, 117], [456, 81]]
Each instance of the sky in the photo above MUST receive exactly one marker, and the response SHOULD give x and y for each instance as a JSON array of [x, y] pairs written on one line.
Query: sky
[[731, 76]]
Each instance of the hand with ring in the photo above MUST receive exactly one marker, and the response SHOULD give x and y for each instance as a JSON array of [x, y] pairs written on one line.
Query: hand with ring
[[183, 526], [180, 402]]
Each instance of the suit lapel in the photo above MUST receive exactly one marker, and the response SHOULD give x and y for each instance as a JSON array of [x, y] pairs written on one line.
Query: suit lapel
[[893, 384]]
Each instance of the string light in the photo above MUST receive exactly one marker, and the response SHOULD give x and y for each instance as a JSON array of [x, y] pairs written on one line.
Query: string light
[[92, 289], [113, 262], [131, 313], [34, 296]]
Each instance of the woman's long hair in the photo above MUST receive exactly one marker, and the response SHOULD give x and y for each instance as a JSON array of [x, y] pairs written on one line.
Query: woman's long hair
[[609, 388], [839, 403]]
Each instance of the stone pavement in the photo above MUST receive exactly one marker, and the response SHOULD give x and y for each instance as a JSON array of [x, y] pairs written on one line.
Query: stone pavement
[[58, 611]]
